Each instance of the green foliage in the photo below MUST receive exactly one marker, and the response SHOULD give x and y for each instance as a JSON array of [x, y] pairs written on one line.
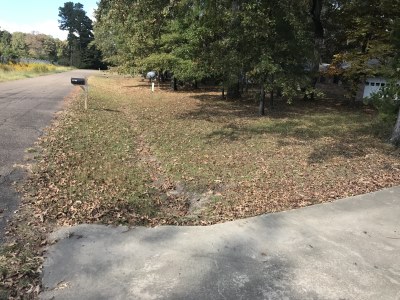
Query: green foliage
[[365, 32], [19, 44], [224, 40], [395, 41], [189, 71], [129, 31], [159, 62], [270, 43], [31, 45], [5, 42]]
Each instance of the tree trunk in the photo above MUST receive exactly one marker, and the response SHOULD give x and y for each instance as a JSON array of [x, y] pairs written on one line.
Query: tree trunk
[[159, 78], [261, 110], [174, 85], [395, 139], [243, 81], [223, 92], [233, 91], [365, 43], [271, 99], [271, 94], [315, 12]]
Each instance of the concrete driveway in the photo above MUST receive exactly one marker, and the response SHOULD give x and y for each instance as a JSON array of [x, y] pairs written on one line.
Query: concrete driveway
[[349, 249], [26, 107]]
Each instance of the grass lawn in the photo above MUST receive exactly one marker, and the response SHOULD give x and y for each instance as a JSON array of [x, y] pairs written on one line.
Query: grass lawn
[[142, 158], [10, 72], [138, 157]]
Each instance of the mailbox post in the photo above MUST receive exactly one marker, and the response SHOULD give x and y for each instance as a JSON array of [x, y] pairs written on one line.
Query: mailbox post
[[82, 82], [151, 76]]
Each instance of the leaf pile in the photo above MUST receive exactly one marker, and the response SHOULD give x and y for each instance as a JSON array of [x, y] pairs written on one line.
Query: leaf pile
[[21, 256]]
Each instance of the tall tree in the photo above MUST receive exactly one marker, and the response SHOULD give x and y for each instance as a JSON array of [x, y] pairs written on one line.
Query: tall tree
[[315, 12], [395, 42], [73, 18], [129, 32], [5, 43]]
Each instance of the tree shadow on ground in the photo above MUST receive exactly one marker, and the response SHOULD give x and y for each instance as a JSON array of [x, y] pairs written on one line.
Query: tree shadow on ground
[[212, 107], [336, 149], [247, 107], [106, 109], [290, 255], [140, 85], [333, 129], [327, 140], [167, 262]]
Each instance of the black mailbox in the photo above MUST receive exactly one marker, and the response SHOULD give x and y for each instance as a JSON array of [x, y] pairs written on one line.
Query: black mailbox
[[78, 81]]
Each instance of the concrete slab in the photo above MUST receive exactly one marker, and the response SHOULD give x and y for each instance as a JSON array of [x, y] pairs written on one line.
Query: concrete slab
[[349, 249]]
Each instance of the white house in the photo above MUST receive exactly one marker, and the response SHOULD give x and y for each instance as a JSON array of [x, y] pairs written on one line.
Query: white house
[[373, 85]]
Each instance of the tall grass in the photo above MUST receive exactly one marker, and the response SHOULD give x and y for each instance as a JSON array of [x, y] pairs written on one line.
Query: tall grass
[[22, 70]]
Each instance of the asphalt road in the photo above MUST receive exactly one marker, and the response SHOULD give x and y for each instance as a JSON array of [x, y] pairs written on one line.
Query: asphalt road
[[26, 107]]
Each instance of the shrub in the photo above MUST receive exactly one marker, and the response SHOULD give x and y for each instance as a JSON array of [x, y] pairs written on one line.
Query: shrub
[[6, 68], [40, 68], [386, 101]]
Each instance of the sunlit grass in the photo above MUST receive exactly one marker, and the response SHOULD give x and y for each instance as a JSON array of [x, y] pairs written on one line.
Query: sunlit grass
[[11, 71]]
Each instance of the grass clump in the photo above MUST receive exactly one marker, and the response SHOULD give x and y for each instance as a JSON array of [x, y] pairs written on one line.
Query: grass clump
[[40, 68]]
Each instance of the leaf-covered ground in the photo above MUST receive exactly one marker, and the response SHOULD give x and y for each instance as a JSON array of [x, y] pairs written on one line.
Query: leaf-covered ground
[[142, 158], [138, 157]]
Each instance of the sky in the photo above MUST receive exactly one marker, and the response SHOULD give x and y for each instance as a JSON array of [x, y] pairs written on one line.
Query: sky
[[37, 15]]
